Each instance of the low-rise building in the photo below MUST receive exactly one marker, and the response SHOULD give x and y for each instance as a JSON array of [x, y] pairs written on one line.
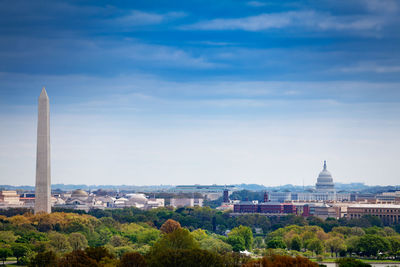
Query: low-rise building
[[9, 198], [388, 213], [186, 202]]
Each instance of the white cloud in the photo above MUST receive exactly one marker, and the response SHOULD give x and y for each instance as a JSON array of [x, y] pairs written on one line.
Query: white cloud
[[140, 18], [256, 3], [309, 19]]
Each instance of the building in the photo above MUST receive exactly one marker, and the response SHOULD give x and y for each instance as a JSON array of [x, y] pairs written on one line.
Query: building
[[388, 213], [9, 199], [325, 181], [271, 208], [43, 179], [211, 192], [324, 191], [186, 202]]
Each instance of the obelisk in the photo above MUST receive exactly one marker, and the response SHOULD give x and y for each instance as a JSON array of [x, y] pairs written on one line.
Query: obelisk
[[43, 180]]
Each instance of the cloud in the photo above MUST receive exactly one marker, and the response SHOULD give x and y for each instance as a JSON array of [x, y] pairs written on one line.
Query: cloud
[[371, 67], [140, 18], [309, 19], [256, 4]]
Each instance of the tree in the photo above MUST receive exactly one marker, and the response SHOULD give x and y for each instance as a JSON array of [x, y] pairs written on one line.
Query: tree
[[335, 245], [276, 242], [59, 242], [44, 259], [373, 244], [350, 262], [315, 245], [245, 232], [77, 241], [281, 260], [7, 237], [169, 226], [5, 253], [19, 250], [178, 239], [77, 258], [215, 245], [295, 243], [98, 253], [132, 259], [237, 243], [185, 257]]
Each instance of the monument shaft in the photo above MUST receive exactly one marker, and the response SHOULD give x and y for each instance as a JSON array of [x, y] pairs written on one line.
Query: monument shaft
[[43, 179]]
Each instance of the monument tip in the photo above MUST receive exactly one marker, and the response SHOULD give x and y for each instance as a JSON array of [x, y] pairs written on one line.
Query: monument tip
[[43, 94]]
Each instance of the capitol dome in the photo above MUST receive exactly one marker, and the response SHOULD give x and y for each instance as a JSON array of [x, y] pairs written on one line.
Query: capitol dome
[[325, 181], [79, 193]]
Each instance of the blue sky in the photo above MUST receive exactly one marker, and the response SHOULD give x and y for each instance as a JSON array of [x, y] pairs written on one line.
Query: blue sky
[[181, 92]]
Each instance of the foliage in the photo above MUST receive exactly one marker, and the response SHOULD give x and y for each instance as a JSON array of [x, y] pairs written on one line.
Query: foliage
[[350, 262], [281, 260], [185, 257], [5, 253], [244, 232], [169, 226], [44, 259], [132, 259]]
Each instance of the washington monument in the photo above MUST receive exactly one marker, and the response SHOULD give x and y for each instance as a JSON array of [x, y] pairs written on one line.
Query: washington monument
[[43, 180]]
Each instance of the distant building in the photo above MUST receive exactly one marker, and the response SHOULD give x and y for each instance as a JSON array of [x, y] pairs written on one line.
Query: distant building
[[324, 191], [388, 213], [9, 198], [325, 181], [186, 202], [225, 197], [211, 192]]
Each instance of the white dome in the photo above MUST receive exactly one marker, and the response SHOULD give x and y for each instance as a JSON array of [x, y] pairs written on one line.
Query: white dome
[[325, 180]]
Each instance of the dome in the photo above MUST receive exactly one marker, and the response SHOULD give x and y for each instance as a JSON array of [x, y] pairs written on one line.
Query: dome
[[79, 193], [325, 180]]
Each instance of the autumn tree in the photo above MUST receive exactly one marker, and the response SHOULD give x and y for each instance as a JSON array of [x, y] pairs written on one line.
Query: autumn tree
[[281, 260], [77, 241], [77, 258], [169, 226], [132, 259]]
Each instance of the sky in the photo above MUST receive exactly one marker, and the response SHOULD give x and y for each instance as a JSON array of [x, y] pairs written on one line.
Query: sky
[[202, 92]]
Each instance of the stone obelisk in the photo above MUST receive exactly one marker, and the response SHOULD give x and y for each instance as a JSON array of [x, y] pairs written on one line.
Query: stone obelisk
[[43, 180]]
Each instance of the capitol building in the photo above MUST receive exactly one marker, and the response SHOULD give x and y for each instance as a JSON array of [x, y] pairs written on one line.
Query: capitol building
[[324, 191]]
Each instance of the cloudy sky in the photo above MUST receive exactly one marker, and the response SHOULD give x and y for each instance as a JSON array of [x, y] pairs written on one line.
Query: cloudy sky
[[183, 92]]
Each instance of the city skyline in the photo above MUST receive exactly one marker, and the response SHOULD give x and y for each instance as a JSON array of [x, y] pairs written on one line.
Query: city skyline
[[176, 93]]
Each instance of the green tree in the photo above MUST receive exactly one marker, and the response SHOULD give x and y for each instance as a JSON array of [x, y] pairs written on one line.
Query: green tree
[[44, 259], [7, 237], [371, 245], [350, 262], [276, 242], [77, 241], [98, 253], [237, 243], [295, 243], [335, 245], [245, 232], [178, 239], [19, 250], [5, 253], [215, 245], [59, 242], [315, 245]]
